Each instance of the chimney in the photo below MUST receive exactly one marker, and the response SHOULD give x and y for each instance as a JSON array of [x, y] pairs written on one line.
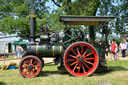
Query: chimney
[[32, 28]]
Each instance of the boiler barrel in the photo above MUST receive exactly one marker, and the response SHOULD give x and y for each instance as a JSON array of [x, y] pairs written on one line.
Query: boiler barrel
[[45, 51]]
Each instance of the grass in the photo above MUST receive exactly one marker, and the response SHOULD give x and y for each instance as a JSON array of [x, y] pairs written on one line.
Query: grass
[[51, 76]]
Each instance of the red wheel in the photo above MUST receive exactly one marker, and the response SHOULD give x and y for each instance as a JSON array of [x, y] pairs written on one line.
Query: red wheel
[[81, 59], [30, 66]]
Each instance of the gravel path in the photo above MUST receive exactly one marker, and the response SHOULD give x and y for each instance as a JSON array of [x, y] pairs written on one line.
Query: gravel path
[[109, 57]]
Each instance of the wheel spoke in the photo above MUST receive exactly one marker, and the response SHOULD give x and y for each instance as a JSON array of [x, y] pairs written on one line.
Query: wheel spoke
[[68, 41], [79, 68], [33, 71], [83, 68], [28, 62], [89, 62], [82, 49], [75, 67], [85, 52], [73, 51], [78, 51], [88, 54], [38, 65], [25, 72], [31, 61], [75, 40], [74, 63], [25, 65], [72, 56], [86, 65], [88, 59], [29, 73], [34, 62], [68, 35], [71, 60]]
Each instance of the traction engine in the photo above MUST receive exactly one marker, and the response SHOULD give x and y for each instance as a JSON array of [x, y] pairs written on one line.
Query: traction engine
[[70, 49]]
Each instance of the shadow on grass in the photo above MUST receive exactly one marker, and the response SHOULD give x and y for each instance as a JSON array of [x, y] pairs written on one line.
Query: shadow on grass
[[2, 83], [118, 68], [64, 72], [49, 64], [111, 69], [52, 72], [57, 73]]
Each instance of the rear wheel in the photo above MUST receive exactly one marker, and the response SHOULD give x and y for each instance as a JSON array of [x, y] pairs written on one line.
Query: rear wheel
[[81, 59], [30, 66]]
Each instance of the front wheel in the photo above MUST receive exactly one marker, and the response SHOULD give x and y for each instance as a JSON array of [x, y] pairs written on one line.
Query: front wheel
[[30, 66]]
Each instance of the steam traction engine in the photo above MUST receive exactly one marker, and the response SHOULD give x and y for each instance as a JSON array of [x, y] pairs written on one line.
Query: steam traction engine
[[74, 53]]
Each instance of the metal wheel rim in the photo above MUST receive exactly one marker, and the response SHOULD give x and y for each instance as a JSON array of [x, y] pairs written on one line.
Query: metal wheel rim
[[77, 68], [42, 61]]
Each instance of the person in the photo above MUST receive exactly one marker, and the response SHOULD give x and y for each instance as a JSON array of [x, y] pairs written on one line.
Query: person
[[106, 50], [127, 48], [114, 49], [123, 47], [120, 47], [19, 51]]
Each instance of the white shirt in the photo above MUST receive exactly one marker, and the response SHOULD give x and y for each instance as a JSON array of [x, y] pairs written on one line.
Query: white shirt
[[123, 46]]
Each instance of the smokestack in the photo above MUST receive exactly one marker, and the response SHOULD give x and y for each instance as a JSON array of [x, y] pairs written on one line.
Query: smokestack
[[32, 28], [30, 3]]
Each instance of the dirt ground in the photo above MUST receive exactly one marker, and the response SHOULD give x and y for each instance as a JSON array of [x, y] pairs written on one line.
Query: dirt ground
[[119, 57], [6, 62]]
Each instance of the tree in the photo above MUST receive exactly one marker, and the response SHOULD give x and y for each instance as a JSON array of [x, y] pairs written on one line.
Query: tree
[[15, 19], [117, 8], [80, 7], [14, 16]]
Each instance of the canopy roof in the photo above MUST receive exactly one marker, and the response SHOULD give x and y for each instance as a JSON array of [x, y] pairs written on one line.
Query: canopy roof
[[85, 20], [20, 42]]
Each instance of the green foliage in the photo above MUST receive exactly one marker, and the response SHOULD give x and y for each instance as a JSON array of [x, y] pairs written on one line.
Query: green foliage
[[22, 10], [117, 8], [54, 23], [80, 7], [8, 7], [19, 25], [7, 23], [14, 16], [15, 19]]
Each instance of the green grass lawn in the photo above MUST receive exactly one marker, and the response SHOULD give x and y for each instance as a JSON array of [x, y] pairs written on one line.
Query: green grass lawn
[[51, 76]]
